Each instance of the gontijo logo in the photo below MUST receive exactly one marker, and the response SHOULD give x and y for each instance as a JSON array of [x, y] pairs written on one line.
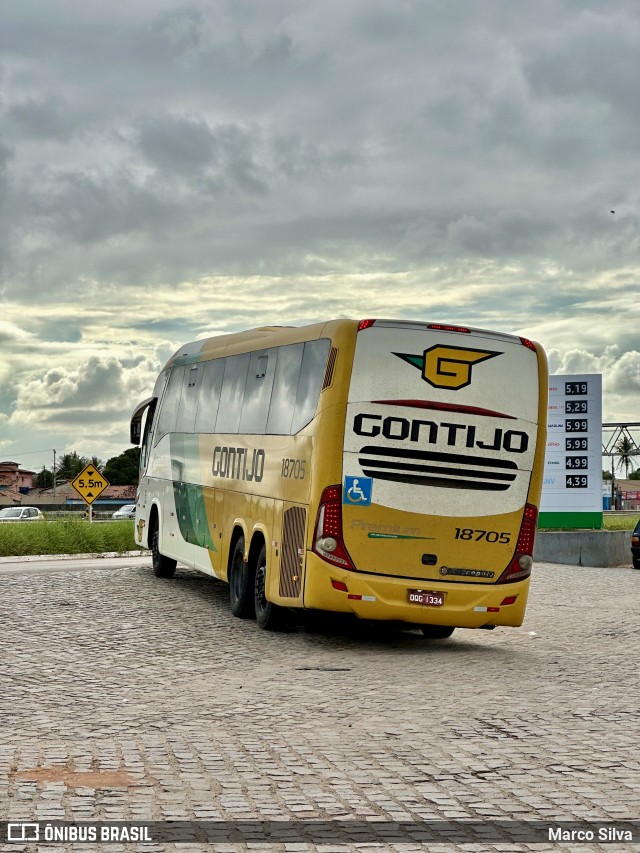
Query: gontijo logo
[[447, 367]]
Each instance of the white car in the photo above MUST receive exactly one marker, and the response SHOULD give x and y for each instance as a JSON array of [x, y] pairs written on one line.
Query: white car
[[127, 511], [21, 513]]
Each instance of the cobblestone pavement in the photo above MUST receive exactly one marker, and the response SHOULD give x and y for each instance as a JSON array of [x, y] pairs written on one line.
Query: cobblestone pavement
[[124, 697]]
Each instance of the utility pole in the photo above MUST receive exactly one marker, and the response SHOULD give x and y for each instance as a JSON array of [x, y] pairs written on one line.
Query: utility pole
[[54, 473], [613, 483]]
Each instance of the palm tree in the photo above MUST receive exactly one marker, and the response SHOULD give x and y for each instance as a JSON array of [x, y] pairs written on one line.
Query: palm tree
[[626, 450]]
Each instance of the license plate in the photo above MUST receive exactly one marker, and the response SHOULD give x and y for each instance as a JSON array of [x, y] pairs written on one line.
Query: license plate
[[425, 597]]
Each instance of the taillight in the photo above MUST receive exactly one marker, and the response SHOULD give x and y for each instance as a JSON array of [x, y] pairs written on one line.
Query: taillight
[[365, 324], [327, 538], [527, 343], [520, 566], [440, 328]]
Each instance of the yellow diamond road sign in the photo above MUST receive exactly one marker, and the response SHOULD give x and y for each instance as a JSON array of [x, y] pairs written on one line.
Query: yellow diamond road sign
[[90, 483]]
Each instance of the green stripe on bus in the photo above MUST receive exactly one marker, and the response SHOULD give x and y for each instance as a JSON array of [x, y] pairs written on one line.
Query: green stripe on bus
[[395, 536], [192, 514]]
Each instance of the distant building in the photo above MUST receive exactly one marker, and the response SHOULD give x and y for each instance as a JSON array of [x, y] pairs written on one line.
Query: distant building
[[15, 482], [629, 493]]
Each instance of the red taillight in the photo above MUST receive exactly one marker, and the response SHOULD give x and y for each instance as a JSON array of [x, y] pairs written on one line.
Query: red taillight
[[439, 328], [520, 566], [365, 324], [327, 538], [527, 343]]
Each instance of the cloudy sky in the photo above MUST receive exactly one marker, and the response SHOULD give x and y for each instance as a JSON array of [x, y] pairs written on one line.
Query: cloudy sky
[[175, 169]]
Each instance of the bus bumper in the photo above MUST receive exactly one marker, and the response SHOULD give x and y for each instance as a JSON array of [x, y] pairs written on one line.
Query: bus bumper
[[368, 596]]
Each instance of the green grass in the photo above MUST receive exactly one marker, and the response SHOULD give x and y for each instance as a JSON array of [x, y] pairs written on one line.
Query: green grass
[[76, 536], [620, 522]]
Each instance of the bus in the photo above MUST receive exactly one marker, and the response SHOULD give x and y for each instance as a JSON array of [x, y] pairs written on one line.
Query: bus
[[382, 468]]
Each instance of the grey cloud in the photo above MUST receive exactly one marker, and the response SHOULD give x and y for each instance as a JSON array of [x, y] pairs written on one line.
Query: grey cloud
[[177, 144], [44, 117], [91, 206], [473, 145], [6, 217]]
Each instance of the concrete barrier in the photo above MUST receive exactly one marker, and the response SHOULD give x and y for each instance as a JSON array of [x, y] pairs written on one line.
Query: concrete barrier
[[584, 547]]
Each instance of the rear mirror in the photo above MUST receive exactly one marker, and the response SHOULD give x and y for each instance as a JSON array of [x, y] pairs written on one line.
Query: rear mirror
[[136, 431]]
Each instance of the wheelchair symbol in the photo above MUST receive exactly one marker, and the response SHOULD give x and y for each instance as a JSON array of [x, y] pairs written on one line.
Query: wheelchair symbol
[[357, 491]]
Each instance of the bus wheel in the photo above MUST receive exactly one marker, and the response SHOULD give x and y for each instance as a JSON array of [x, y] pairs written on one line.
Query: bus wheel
[[437, 632], [269, 616], [163, 567], [240, 584]]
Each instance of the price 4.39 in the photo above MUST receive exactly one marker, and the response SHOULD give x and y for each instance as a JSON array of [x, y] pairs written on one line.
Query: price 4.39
[[577, 481]]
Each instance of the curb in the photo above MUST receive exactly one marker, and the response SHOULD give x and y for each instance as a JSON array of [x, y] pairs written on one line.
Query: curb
[[34, 558]]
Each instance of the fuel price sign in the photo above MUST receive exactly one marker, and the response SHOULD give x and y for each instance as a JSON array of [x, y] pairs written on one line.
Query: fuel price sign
[[572, 483]]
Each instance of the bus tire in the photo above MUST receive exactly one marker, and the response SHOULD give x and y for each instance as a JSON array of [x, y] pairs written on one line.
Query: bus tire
[[437, 632], [269, 616], [163, 567], [240, 584]]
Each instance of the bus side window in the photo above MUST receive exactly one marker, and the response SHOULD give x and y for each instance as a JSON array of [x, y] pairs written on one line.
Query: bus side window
[[283, 396], [314, 363], [209, 399], [233, 384], [170, 402], [189, 400], [257, 394], [146, 436]]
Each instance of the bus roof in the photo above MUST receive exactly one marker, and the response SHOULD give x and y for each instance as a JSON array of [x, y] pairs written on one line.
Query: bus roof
[[261, 338], [264, 337]]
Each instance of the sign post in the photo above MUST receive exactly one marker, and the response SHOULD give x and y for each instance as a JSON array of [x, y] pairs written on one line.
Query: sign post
[[90, 484]]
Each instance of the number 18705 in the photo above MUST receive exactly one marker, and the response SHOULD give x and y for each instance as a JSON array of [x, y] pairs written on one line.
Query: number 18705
[[467, 533]]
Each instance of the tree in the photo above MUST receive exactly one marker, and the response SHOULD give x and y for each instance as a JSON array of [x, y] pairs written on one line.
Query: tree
[[123, 470], [43, 480], [606, 475], [635, 475], [69, 466], [625, 450]]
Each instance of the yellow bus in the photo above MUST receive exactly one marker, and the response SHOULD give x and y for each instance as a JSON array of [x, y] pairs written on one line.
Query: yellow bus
[[383, 468]]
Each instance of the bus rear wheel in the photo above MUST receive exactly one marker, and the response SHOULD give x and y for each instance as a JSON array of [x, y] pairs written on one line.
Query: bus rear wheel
[[240, 584], [163, 567], [269, 616], [437, 632]]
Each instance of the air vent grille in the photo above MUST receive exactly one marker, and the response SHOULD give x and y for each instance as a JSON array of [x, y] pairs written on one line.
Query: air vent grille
[[293, 526], [439, 470], [331, 363]]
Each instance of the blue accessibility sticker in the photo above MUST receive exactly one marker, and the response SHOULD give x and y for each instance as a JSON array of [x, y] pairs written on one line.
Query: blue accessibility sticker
[[357, 491]]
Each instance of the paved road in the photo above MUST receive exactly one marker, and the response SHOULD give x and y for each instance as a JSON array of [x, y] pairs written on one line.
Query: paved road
[[129, 698]]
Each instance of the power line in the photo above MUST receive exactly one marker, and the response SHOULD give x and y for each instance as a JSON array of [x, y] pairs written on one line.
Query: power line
[[29, 452]]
